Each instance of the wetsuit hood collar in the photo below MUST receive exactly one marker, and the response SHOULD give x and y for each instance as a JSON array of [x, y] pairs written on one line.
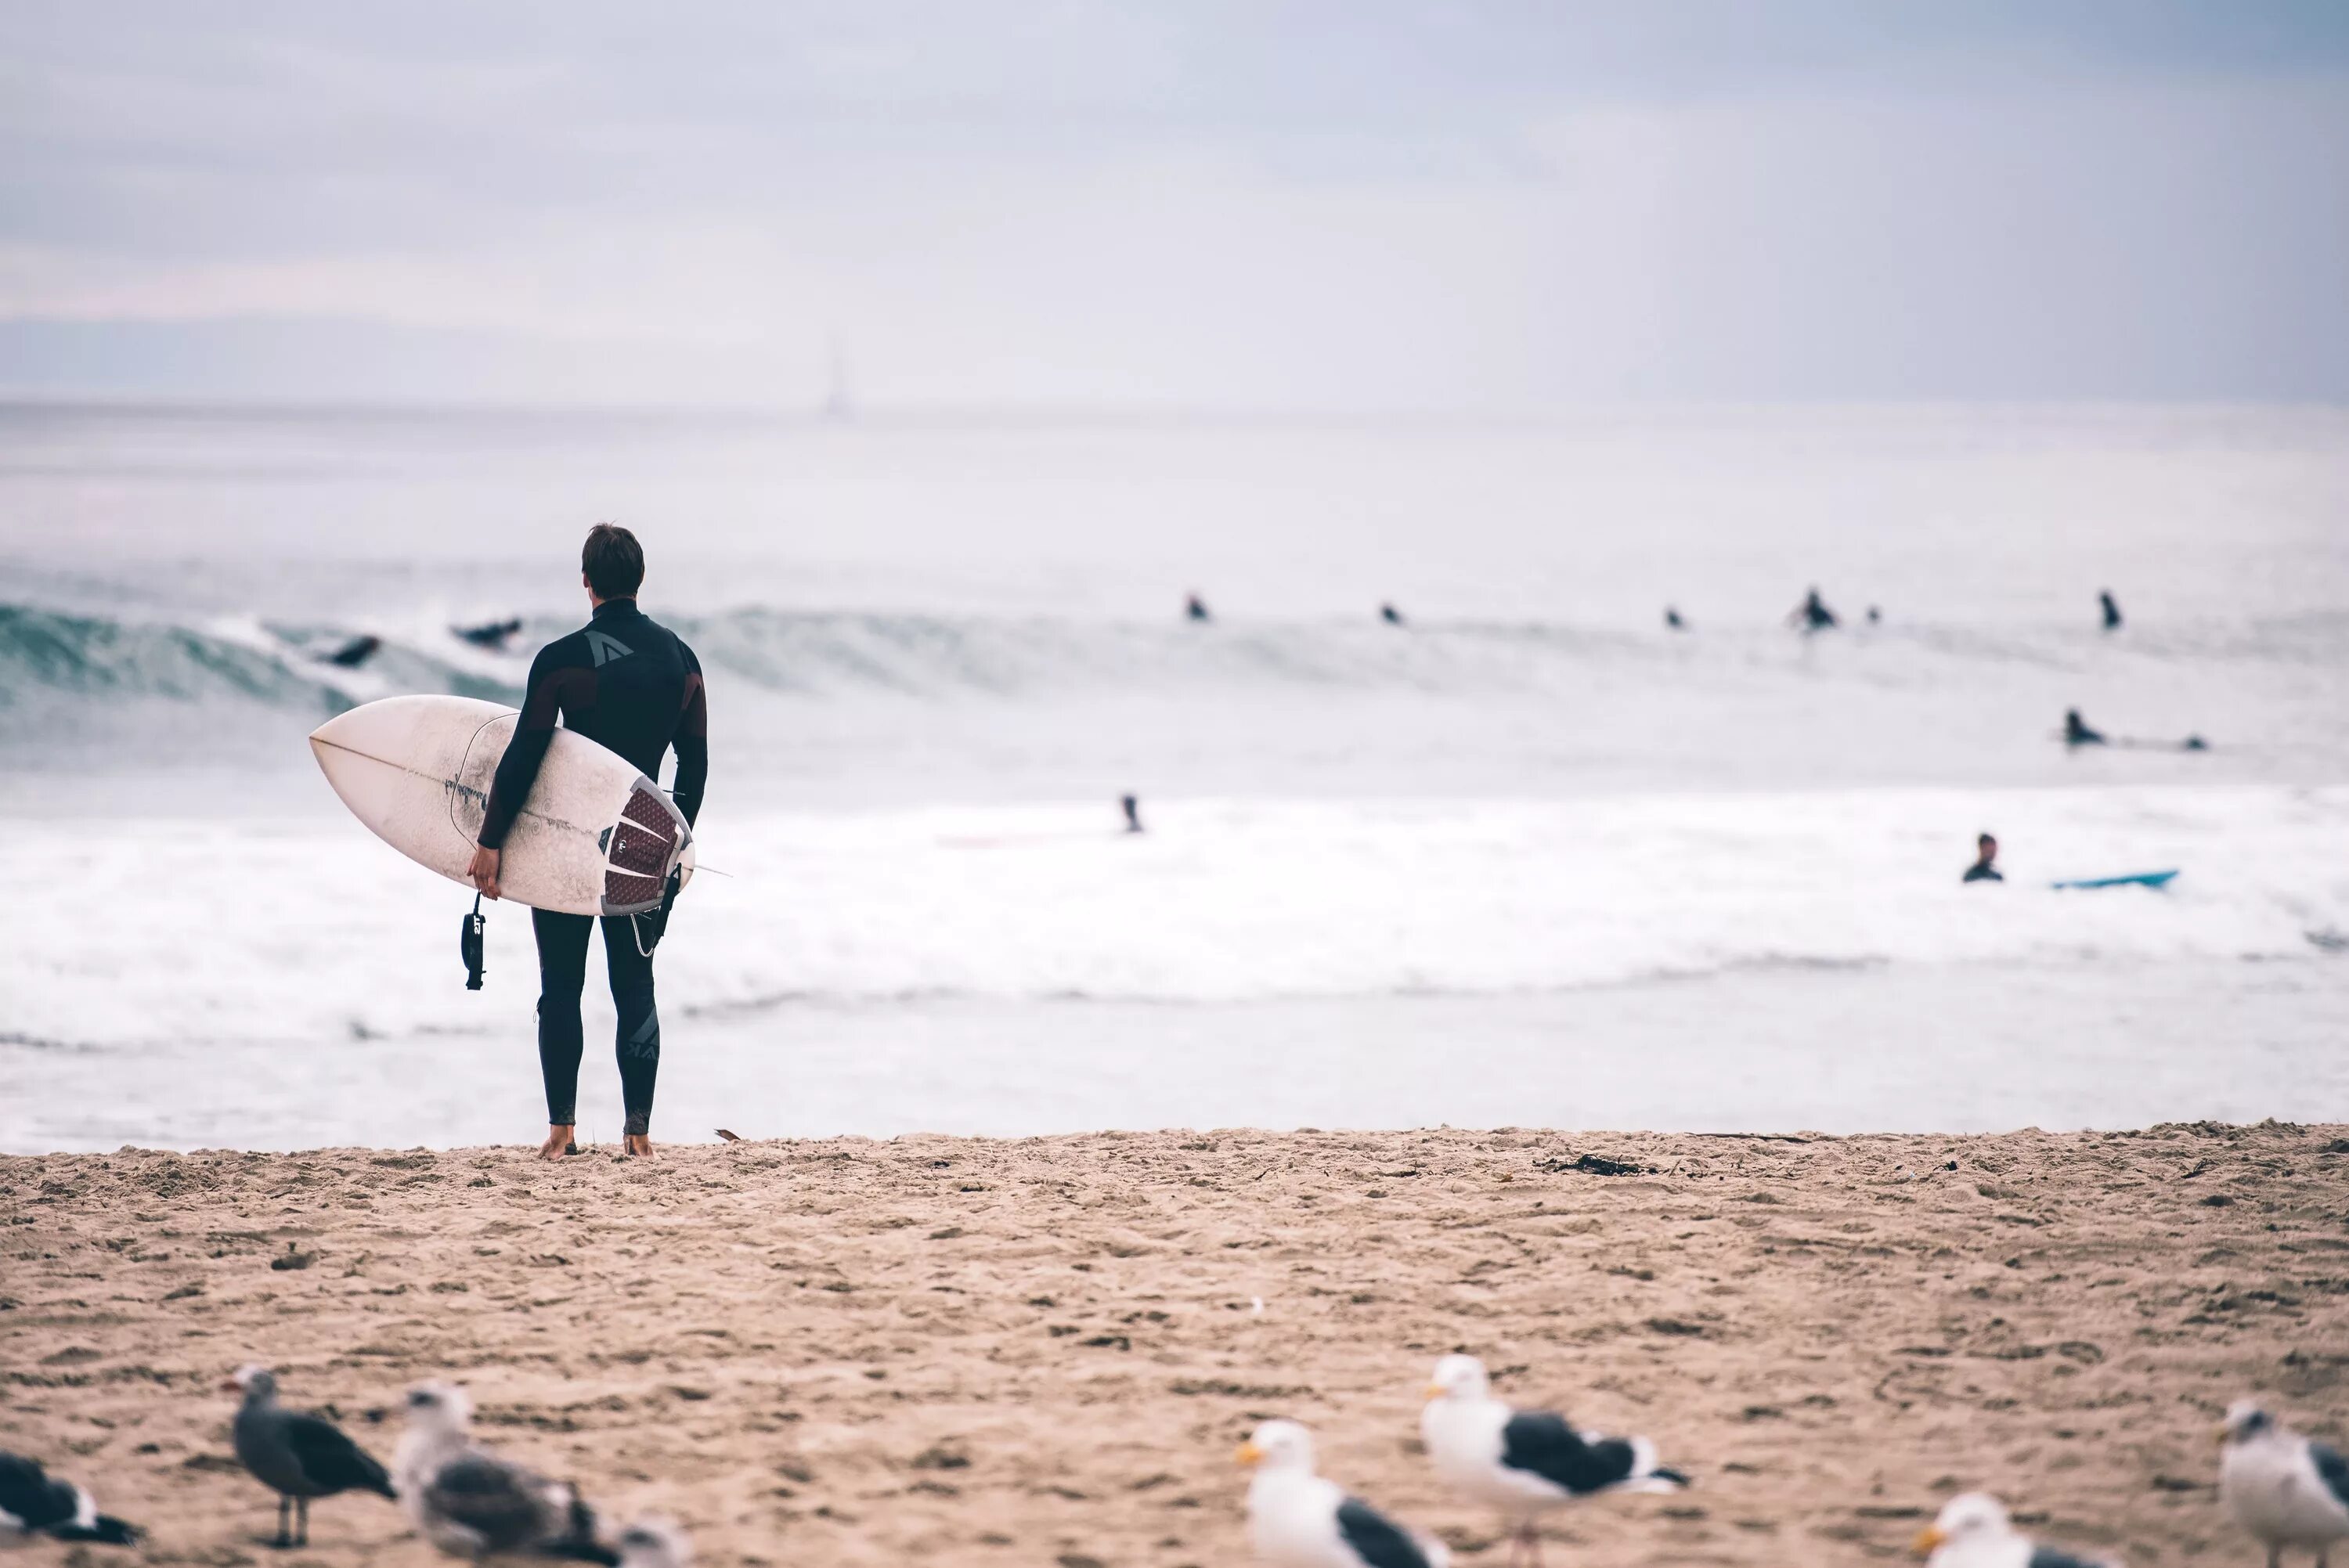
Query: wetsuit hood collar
[[626, 607]]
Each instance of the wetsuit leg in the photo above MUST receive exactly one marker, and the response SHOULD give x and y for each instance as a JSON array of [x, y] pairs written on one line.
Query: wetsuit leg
[[638, 1035], [562, 975]]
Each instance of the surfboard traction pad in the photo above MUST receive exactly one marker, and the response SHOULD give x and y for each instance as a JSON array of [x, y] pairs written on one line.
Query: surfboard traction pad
[[643, 846]]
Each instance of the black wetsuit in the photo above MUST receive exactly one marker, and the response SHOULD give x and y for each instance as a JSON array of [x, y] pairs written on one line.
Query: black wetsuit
[[627, 681], [1982, 871]]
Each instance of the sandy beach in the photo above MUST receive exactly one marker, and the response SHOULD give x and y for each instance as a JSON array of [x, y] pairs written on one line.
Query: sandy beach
[[1043, 1351]]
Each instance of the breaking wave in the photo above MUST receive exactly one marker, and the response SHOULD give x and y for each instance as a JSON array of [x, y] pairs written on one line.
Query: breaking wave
[[86, 656]]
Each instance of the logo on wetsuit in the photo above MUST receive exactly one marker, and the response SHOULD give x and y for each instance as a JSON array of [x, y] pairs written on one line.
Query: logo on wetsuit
[[607, 647], [646, 1041]]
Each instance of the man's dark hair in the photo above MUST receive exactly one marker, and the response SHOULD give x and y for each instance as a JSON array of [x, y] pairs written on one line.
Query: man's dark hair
[[613, 561]]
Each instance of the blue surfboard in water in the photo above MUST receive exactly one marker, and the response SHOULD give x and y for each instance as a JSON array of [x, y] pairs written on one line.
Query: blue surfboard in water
[[2138, 879]]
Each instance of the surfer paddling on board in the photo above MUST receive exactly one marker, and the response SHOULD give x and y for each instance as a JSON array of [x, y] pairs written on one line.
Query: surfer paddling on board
[[629, 683]]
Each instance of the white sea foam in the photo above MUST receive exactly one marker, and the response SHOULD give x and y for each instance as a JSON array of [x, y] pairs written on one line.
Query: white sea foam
[[222, 930]]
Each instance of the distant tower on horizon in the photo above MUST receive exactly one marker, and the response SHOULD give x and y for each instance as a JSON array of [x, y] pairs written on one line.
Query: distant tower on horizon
[[836, 402]]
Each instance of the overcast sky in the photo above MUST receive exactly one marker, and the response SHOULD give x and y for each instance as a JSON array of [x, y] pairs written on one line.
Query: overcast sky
[[1246, 206]]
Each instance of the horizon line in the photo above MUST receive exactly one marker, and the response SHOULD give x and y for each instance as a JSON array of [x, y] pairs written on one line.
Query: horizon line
[[1108, 412]]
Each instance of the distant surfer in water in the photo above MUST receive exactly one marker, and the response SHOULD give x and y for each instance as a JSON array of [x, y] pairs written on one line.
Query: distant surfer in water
[[351, 654], [490, 635], [2077, 733], [2112, 611], [1985, 867], [627, 681], [1672, 621], [1812, 615], [1195, 608], [1133, 813], [1390, 614]]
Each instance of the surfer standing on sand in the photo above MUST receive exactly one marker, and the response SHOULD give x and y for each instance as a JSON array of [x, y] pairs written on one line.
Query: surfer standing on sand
[[628, 683]]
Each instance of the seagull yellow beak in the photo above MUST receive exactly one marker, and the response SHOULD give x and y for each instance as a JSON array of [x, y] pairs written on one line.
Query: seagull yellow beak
[[2219, 1435], [1247, 1453], [1436, 1390], [1929, 1539]]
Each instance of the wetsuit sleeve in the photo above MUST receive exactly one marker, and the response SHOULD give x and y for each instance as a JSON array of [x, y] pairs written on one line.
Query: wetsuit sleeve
[[554, 683], [692, 740]]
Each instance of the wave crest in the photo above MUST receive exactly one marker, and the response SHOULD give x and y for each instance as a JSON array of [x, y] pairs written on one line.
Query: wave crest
[[830, 652]]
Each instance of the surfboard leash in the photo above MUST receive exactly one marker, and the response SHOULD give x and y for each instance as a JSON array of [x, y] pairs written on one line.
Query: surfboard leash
[[469, 945]]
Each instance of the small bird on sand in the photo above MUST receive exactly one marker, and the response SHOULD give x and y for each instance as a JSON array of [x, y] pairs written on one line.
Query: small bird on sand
[[655, 1543], [1297, 1520], [1973, 1531], [32, 1502], [1524, 1462], [2286, 1489], [297, 1454], [468, 1503]]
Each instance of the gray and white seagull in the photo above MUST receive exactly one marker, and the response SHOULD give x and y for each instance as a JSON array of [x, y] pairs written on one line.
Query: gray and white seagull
[[2285, 1488], [297, 1454], [655, 1543], [1525, 1462], [472, 1503], [1297, 1520], [34, 1502], [1972, 1531]]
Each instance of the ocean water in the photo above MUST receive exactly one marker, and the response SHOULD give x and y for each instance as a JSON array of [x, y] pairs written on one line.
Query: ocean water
[[1529, 858]]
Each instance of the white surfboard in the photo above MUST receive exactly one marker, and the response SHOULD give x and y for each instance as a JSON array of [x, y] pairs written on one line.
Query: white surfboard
[[594, 836]]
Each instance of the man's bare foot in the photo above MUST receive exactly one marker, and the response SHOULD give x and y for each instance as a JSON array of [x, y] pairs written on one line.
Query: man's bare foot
[[558, 1142], [637, 1145]]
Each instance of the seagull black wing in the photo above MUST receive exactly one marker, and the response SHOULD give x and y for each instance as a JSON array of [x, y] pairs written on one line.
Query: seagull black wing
[[28, 1496], [2332, 1469], [104, 1529], [1544, 1445], [2049, 1557], [578, 1541], [1376, 1538], [496, 1501], [330, 1461], [54, 1508]]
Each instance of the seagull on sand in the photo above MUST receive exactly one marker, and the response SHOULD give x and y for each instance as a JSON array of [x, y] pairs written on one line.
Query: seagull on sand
[[2281, 1487], [297, 1454], [32, 1503], [1972, 1531], [468, 1503], [1296, 1519], [655, 1543], [1524, 1462]]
